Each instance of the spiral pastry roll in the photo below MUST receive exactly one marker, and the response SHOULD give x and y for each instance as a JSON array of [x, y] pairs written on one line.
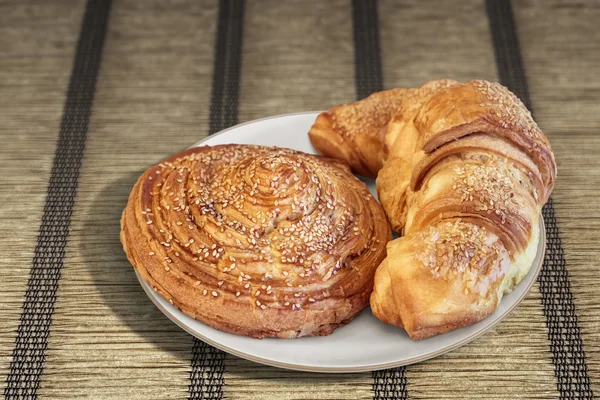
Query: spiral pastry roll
[[256, 241]]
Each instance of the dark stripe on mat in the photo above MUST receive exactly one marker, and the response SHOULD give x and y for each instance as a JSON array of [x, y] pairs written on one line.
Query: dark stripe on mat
[[29, 354], [568, 356], [367, 53], [391, 383], [208, 363]]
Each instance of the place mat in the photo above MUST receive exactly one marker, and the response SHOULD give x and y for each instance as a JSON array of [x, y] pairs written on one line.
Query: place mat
[[93, 93]]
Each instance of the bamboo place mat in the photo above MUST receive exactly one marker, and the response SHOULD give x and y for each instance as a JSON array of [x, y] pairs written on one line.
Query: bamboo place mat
[[94, 93]]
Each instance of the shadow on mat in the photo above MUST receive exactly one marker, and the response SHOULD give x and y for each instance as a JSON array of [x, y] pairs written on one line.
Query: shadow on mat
[[114, 276], [117, 283]]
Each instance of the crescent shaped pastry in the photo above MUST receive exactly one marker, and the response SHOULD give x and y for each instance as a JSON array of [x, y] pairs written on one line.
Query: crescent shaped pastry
[[465, 183], [462, 171]]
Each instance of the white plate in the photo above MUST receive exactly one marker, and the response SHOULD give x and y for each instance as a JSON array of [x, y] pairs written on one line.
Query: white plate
[[366, 343]]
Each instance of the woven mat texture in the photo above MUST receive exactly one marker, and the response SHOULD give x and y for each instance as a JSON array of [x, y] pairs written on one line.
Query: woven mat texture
[[92, 93]]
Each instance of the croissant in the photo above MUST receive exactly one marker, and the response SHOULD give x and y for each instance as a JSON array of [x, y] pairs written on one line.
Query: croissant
[[355, 132], [464, 180], [257, 241]]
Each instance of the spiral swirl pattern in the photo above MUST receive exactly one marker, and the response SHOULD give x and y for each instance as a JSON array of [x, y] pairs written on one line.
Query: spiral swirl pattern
[[259, 241]]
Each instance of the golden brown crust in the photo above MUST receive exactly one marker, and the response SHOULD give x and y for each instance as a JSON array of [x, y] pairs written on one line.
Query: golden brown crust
[[440, 279], [355, 132], [257, 241], [411, 103], [469, 158], [464, 165], [362, 133], [482, 106]]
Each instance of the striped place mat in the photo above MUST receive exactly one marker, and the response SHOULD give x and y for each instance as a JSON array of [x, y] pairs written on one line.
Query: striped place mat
[[94, 92]]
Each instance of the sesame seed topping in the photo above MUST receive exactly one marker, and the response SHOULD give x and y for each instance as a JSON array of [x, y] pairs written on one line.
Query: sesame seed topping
[[298, 218]]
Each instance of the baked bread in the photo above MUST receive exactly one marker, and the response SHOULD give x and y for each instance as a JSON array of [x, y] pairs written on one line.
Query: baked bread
[[466, 175], [257, 241], [358, 132], [355, 132]]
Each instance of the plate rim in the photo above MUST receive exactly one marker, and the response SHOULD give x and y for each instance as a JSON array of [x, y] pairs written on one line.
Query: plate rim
[[198, 144], [364, 368]]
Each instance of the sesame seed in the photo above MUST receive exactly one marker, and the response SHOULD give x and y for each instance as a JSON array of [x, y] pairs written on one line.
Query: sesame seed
[[215, 294]]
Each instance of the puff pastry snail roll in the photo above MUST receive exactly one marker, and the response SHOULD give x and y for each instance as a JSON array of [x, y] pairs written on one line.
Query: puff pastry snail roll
[[256, 241], [465, 182]]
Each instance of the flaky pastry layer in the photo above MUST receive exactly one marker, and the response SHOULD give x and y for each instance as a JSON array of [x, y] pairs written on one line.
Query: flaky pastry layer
[[257, 241], [463, 176]]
